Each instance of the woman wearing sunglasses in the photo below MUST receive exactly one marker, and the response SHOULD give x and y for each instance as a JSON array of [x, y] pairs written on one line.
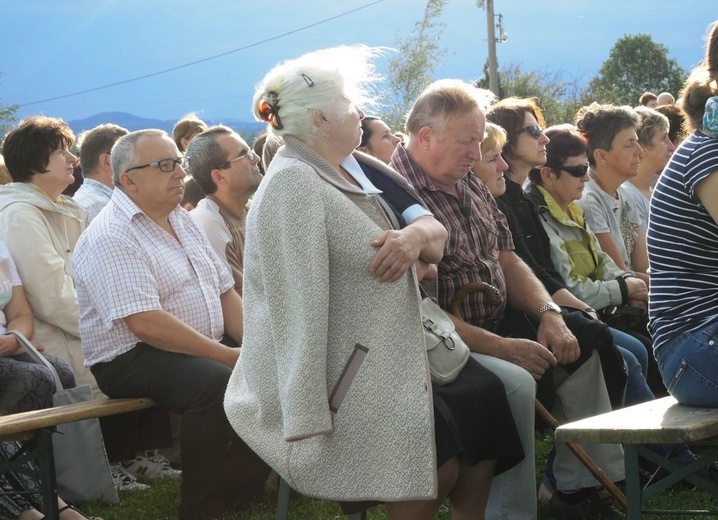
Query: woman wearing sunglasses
[[589, 273]]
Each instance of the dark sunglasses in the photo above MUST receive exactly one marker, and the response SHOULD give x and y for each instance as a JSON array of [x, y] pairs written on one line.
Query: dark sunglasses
[[534, 130], [575, 171]]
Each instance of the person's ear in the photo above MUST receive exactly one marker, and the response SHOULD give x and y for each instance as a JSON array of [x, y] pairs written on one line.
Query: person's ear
[[319, 118], [364, 149], [218, 176], [425, 136], [600, 155], [548, 176], [127, 182]]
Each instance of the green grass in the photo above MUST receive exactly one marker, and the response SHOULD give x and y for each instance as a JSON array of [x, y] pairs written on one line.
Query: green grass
[[161, 501]]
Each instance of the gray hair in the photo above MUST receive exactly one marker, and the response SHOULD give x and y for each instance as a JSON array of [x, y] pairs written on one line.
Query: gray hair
[[206, 155], [123, 152], [329, 80], [95, 142], [441, 100], [650, 122]]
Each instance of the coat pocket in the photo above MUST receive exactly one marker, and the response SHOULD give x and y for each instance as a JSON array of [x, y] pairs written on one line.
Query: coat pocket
[[347, 377]]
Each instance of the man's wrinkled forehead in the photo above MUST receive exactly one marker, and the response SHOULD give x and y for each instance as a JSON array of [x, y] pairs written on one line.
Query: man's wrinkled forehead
[[153, 148]]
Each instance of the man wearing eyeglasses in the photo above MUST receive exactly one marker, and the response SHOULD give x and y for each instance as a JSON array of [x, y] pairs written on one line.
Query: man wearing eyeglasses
[[155, 301], [96, 189], [227, 171]]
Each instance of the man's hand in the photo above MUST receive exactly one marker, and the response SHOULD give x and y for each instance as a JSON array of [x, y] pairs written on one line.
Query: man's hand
[[527, 354], [228, 355], [426, 272], [555, 336], [637, 289], [398, 251]]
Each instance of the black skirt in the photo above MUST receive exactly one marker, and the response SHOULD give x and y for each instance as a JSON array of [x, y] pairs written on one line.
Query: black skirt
[[472, 420]]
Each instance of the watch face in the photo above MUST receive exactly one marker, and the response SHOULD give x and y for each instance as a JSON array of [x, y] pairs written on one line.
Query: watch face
[[555, 307]]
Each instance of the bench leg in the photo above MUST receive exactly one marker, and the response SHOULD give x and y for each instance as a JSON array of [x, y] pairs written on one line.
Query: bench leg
[[46, 462], [282, 501], [283, 504], [633, 484]]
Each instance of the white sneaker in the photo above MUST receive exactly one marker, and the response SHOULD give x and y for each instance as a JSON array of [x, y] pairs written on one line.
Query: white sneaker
[[123, 481], [150, 467]]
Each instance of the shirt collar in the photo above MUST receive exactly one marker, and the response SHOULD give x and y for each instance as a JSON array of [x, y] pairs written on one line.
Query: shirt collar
[[351, 165], [97, 185], [128, 208]]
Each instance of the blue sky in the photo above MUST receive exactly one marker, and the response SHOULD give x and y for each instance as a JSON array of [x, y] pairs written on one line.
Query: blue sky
[[54, 48]]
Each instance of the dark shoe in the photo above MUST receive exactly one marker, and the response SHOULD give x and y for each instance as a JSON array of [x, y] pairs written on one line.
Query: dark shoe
[[591, 508]]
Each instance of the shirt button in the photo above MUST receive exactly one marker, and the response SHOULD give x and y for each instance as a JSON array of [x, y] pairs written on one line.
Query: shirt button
[[710, 342]]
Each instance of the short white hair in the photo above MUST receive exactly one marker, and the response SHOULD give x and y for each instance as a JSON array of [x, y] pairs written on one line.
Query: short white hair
[[329, 80]]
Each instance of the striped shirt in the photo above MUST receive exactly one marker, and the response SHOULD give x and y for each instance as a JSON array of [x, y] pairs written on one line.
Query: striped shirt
[[683, 244], [478, 231]]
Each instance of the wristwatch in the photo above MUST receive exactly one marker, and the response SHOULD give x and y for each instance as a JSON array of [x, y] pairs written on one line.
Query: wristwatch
[[548, 306]]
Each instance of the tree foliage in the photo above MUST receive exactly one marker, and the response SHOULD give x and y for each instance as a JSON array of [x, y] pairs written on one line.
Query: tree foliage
[[8, 117], [558, 96], [410, 70], [636, 64]]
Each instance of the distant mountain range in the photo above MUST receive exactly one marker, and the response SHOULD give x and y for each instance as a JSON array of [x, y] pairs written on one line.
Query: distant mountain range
[[132, 122]]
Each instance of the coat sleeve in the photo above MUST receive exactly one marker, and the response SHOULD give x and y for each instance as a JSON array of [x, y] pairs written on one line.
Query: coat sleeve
[[596, 293], [293, 251], [42, 267]]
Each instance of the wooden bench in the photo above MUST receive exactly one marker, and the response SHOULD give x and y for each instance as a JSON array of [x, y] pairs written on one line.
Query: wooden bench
[[662, 421], [38, 426]]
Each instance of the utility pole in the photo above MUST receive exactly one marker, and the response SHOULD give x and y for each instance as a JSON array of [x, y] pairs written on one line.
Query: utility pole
[[493, 64], [491, 27]]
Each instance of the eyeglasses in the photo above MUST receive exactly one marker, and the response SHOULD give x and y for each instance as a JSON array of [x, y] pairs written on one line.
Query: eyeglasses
[[165, 165], [534, 130], [575, 171], [248, 153]]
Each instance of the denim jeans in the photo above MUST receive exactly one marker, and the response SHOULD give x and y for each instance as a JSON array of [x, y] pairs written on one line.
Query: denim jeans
[[689, 366], [635, 347]]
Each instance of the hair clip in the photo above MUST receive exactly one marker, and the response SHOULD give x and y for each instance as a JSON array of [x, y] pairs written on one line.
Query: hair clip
[[308, 80], [268, 111]]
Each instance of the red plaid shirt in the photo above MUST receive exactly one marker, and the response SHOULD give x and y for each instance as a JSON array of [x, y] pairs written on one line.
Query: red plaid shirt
[[477, 232]]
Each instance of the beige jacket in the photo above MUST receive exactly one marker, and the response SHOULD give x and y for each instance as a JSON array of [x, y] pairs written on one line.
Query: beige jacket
[[332, 388], [41, 235]]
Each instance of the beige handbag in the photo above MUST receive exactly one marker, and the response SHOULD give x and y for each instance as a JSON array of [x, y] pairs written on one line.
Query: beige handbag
[[446, 351]]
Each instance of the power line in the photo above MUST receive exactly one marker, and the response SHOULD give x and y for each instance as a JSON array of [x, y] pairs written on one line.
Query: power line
[[172, 69]]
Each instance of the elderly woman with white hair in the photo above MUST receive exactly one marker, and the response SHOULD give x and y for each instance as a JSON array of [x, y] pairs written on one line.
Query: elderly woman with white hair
[[332, 388]]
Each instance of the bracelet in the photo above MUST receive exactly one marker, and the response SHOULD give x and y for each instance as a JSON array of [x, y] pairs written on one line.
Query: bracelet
[[589, 310], [624, 289]]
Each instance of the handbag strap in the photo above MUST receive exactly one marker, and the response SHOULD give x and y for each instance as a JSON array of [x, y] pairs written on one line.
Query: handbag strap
[[37, 357]]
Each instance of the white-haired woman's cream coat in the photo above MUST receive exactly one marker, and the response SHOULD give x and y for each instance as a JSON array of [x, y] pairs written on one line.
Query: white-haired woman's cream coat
[[310, 304]]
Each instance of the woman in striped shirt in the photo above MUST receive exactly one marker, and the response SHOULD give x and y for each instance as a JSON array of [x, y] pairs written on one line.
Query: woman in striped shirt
[[683, 247]]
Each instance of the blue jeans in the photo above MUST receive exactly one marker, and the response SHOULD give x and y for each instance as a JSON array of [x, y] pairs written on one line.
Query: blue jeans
[[635, 347], [689, 366]]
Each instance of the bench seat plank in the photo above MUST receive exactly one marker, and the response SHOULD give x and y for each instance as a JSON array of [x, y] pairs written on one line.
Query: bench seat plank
[[12, 425], [662, 421]]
